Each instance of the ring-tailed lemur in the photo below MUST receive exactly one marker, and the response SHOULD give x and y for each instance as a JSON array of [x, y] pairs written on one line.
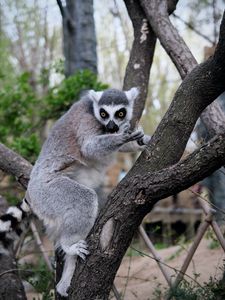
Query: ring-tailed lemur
[[64, 181]]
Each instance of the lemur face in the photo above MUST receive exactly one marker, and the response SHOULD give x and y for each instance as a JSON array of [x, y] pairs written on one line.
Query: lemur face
[[113, 108]]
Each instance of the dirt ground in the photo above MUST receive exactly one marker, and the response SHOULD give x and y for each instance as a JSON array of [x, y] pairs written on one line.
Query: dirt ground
[[138, 277]]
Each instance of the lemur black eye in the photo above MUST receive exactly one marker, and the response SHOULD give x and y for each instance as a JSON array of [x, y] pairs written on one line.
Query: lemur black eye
[[121, 113], [103, 113]]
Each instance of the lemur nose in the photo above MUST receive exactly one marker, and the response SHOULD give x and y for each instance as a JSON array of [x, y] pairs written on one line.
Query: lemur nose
[[112, 127]]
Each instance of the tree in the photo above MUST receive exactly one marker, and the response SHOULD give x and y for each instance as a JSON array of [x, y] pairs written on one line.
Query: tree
[[79, 40], [32, 43], [158, 172]]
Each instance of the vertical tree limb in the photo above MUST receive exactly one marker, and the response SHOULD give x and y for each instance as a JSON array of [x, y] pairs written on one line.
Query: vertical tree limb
[[135, 196], [180, 54], [79, 39], [142, 53], [141, 56]]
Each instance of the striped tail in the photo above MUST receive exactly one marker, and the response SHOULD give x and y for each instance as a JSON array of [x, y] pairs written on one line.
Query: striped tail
[[12, 222]]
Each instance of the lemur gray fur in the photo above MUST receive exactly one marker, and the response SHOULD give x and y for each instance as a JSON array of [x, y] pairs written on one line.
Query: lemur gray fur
[[64, 182]]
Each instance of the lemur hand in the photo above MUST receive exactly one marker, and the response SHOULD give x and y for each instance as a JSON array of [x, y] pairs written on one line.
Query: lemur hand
[[144, 140], [128, 135]]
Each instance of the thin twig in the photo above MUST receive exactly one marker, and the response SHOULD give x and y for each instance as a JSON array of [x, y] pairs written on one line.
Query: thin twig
[[210, 203], [40, 245], [19, 245], [61, 8], [172, 268], [15, 270], [127, 277], [190, 26]]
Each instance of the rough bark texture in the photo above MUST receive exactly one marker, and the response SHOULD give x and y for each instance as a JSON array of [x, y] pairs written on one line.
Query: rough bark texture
[[128, 203], [79, 39], [11, 287], [141, 56], [180, 54], [214, 119], [157, 14], [12, 163], [138, 194], [142, 53], [199, 88]]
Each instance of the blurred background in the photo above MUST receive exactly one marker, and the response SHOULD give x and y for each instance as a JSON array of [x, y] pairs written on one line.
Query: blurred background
[[51, 51]]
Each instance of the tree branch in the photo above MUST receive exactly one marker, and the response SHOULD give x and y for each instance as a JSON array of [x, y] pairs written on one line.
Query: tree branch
[[176, 48], [169, 181], [61, 8], [11, 286], [199, 88], [139, 193], [190, 26], [127, 204], [65, 16], [141, 56], [142, 53], [14, 164]]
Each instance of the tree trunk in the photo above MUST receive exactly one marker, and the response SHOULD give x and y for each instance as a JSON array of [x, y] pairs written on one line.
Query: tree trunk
[[129, 202], [142, 53], [11, 286], [79, 38]]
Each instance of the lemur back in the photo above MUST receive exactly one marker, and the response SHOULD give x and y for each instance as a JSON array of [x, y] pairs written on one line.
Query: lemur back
[[65, 179]]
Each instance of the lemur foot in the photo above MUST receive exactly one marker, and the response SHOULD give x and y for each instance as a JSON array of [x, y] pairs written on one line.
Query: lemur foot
[[79, 249], [62, 288]]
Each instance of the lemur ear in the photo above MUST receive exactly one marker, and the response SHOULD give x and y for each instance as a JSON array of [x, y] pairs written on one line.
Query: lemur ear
[[132, 94], [95, 96]]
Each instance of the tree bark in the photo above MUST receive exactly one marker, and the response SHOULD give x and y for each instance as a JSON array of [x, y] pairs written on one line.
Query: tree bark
[[128, 204], [199, 88], [79, 38], [157, 14], [136, 194], [11, 286], [12, 163], [139, 193], [141, 56]]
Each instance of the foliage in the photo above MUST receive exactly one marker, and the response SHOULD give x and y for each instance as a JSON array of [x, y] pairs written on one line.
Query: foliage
[[40, 278], [214, 289], [214, 243], [17, 113], [24, 114], [60, 97]]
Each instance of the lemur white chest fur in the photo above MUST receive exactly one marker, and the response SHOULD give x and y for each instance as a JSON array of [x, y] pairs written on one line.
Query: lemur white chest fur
[[72, 164]]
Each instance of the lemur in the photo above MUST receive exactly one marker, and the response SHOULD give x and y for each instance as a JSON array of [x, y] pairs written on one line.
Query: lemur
[[64, 182]]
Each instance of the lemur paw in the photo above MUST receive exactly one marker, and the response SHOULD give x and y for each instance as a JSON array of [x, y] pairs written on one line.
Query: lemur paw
[[144, 140], [62, 288], [79, 249], [129, 136]]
